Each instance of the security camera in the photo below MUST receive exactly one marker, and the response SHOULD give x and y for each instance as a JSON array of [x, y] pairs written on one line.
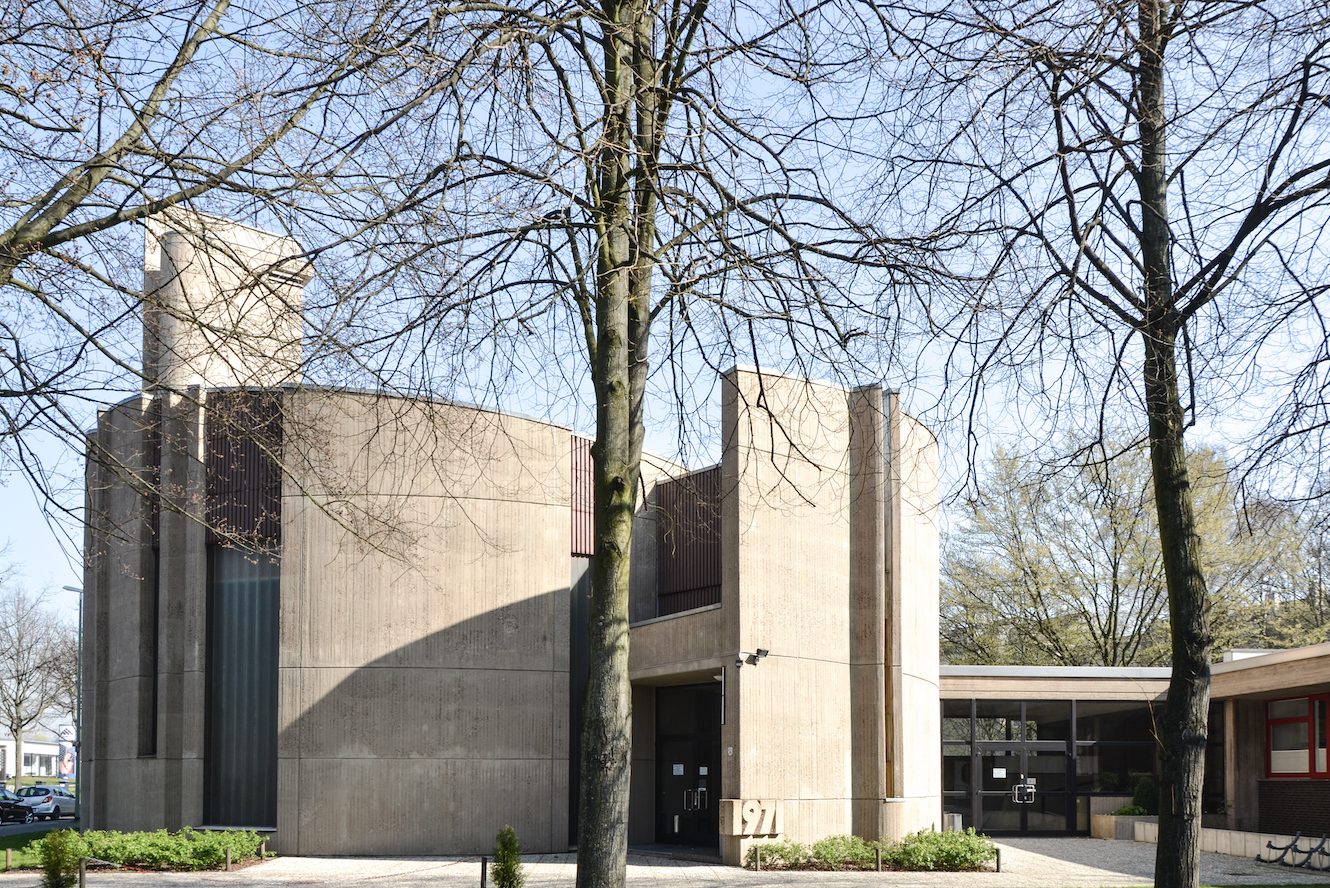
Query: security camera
[[739, 662], [762, 652]]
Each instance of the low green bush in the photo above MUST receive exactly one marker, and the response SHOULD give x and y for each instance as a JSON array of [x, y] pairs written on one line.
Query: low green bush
[[188, 849], [845, 853], [60, 851], [779, 855], [947, 851], [1147, 794], [1129, 811], [927, 850]]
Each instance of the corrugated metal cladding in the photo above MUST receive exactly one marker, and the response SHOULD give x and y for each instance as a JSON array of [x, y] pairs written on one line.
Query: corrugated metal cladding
[[244, 479], [688, 537], [241, 756], [583, 498]]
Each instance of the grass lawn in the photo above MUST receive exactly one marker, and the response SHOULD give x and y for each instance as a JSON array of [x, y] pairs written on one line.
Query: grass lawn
[[22, 858]]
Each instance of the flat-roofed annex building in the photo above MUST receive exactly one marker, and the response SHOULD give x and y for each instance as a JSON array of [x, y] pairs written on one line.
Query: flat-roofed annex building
[[358, 618], [1085, 737]]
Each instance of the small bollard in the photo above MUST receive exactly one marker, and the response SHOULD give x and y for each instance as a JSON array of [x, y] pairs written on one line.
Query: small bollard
[[758, 859], [9, 859], [228, 860], [484, 870], [83, 872], [263, 849], [999, 859], [877, 852]]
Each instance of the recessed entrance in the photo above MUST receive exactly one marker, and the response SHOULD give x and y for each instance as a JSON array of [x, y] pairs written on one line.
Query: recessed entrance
[[688, 765]]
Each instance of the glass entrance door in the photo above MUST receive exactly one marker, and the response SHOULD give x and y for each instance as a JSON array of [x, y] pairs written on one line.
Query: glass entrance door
[[1022, 787]]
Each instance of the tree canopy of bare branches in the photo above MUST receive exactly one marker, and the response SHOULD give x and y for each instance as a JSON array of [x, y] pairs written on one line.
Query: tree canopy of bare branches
[[113, 111], [1134, 194], [608, 201]]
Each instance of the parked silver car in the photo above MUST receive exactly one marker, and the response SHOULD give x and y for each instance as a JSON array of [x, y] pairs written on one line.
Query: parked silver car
[[48, 802]]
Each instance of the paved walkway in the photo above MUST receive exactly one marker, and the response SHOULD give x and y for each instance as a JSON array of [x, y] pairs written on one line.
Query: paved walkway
[[1026, 863]]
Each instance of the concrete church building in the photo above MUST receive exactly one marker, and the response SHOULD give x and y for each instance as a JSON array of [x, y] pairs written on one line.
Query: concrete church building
[[358, 618]]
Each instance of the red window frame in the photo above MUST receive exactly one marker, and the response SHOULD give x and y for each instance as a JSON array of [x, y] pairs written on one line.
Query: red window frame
[[1310, 721]]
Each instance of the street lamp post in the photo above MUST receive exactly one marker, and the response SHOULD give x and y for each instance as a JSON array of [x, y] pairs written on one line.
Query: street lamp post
[[78, 713]]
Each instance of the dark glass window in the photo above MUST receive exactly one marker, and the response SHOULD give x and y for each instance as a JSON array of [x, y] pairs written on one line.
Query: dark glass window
[[1113, 767], [998, 720], [1115, 721], [241, 759], [956, 767], [1047, 769], [956, 721], [1048, 720]]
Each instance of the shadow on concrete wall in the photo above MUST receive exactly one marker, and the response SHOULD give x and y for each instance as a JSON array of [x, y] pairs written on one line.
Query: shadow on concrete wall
[[435, 745]]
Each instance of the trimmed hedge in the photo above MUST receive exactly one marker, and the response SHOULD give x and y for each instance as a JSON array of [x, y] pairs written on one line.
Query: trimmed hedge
[[186, 850], [947, 851]]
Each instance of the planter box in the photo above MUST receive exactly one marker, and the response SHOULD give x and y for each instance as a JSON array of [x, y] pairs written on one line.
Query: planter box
[[1111, 826]]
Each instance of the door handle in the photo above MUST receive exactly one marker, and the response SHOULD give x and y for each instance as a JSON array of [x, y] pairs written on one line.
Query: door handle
[[701, 796], [685, 801]]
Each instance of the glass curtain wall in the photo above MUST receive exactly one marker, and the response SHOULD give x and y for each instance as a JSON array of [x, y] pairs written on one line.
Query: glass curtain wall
[[241, 756], [1042, 766]]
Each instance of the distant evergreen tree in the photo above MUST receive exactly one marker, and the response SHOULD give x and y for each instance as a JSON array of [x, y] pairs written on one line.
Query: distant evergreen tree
[[508, 860]]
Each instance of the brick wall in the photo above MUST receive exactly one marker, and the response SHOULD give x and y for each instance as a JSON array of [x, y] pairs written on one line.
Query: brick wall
[[1289, 806]]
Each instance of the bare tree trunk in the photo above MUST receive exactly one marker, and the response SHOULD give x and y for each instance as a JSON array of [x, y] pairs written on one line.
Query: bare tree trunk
[[1182, 729], [602, 823], [18, 757]]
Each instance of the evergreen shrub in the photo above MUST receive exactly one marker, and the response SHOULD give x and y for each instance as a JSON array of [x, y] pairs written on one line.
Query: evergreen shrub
[[507, 869]]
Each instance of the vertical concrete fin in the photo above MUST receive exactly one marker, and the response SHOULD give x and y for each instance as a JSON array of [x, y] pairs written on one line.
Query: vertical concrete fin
[[867, 603], [914, 744]]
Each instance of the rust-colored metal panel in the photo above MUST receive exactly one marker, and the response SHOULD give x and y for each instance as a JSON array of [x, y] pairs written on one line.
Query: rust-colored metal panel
[[688, 542], [243, 443], [583, 498]]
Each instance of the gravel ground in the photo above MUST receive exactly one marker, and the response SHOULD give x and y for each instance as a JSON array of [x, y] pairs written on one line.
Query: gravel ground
[[1026, 863]]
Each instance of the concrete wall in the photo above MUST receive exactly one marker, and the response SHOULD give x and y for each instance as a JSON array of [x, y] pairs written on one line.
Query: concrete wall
[[679, 648], [830, 563], [423, 674], [423, 678], [143, 755], [423, 684], [222, 303], [868, 505], [914, 737], [785, 588], [183, 616], [116, 561]]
